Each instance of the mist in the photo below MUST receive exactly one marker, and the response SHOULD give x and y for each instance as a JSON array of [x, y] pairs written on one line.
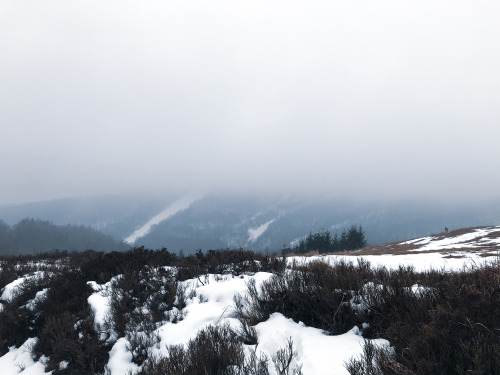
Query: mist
[[369, 100]]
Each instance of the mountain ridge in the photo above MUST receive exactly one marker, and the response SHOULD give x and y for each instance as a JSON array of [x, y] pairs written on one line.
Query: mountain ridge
[[228, 221]]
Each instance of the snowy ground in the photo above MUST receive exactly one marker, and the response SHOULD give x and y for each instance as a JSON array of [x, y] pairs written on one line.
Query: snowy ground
[[420, 262], [473, 242], [211, 303]]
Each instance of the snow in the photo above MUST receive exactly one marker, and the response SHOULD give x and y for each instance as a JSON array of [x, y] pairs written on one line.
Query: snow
[[10, 289], [179, 205], [120, 359], [418, 241], [19, 361], [420, 262], [213, 304], [40, 296], [99, 305], [210, 302], [489, 241], [99, 302], [437, 257], [63, 365], [253, 234], [475, 238], [464, 240], [419, 290], [317, 352]]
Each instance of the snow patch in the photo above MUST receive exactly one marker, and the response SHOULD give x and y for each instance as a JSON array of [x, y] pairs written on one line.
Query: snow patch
[[211, 304], [420, 262], [100, 304], [39, 297], [20, 361], [120, 359], [313, 346], [179, 205], [465, 240], [10, 289], [63, 365], [253, 234], [473, 239]]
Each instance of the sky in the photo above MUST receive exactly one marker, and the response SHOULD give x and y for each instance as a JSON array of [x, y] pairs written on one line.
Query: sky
[[388, 98]]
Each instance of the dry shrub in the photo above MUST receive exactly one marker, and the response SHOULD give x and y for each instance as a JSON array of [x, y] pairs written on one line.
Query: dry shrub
[[450, 327], [215, 350], [316, 294]]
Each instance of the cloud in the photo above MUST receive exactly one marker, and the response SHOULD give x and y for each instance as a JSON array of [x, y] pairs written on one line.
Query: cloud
[[385, 99]]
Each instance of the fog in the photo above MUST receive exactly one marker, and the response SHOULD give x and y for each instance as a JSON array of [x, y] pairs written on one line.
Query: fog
[[366, 99]]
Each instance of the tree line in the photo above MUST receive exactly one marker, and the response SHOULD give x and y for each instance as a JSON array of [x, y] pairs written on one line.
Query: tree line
[[31, 236], [323, 242]]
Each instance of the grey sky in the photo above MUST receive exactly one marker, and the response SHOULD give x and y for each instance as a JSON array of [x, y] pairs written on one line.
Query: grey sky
[[389, 98]]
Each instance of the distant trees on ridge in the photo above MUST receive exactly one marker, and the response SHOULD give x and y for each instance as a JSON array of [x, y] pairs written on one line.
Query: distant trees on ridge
[[31, 236], [323, 242]]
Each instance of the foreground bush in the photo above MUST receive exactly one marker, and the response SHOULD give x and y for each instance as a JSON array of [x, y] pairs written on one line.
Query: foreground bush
[[218, 350], [143, 291], [318, 295], [450, 327], [215, 350], [437, 322]]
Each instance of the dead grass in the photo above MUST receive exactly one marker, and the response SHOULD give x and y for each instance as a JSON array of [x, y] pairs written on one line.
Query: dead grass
[[454, 256], [402, 248]]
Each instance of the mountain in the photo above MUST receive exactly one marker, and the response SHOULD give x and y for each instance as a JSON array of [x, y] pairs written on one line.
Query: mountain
[[117, 215], [261, 222], [31, 236]]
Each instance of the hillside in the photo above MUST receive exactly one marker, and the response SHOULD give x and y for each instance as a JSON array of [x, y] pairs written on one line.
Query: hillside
[[238, 312], [31, 236], [260, 222], [482, 241]]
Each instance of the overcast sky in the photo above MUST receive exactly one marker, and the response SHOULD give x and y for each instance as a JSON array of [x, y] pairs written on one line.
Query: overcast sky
[[390, 98]]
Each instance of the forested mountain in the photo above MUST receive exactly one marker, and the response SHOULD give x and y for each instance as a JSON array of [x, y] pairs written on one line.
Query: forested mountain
[[33, 235], [257, 222]]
